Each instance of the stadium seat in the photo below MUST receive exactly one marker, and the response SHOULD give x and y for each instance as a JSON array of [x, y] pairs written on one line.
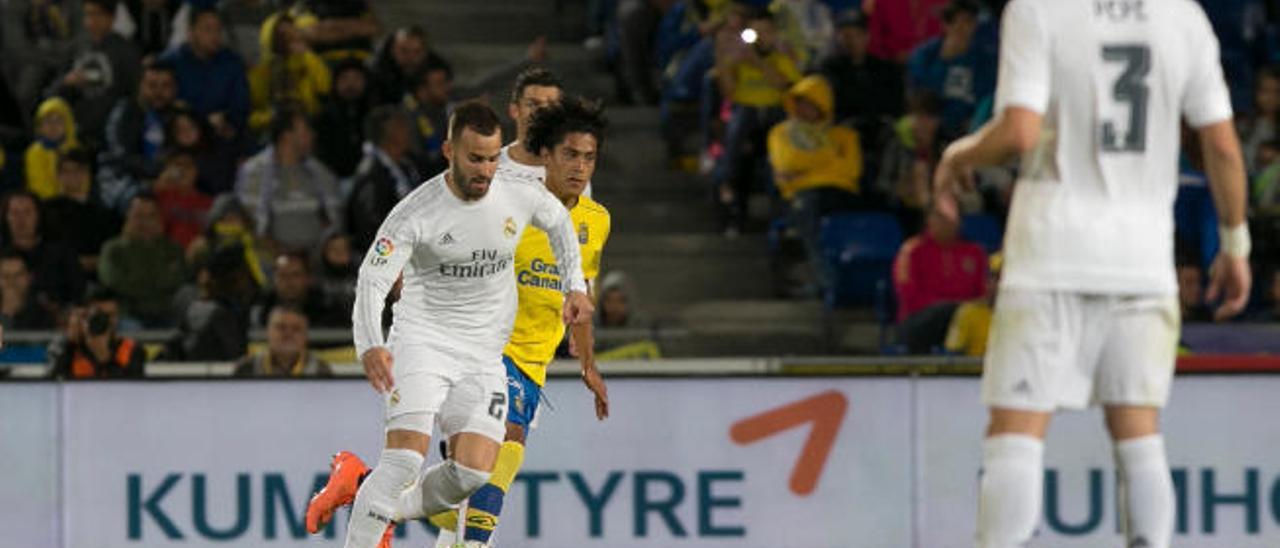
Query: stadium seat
[[983, 230], [859, 249]]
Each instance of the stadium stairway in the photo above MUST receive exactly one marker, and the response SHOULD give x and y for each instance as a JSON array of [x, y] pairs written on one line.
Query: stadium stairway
[[712, 296]]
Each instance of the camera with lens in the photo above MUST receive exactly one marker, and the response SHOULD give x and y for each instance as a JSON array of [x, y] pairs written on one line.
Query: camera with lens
[[99, 323]]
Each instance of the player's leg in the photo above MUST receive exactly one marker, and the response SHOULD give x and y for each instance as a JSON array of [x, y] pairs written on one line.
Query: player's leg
[[1133, 384], [484, 507], [473, 417], [378, 503], [1011, 486], [1032, 344], [1146, 485]]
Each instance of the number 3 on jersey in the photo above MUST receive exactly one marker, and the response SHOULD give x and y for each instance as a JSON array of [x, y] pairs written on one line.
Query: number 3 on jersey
[[1131, 88]]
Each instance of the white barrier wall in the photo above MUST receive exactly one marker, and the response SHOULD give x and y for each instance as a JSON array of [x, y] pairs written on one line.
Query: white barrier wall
[[751, 462]]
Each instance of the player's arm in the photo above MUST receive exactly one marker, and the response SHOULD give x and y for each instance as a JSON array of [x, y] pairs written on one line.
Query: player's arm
[[551, 217], [1229, 278], [379, 271], [1207, 108], [1021, 99]]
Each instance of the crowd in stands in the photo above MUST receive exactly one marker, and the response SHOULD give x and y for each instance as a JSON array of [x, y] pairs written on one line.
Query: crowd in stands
[[159, 174], [821, 121]]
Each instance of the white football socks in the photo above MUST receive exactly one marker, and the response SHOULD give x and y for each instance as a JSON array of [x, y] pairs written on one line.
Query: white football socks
[[377, 500], [1146, 491], [1011, 490]]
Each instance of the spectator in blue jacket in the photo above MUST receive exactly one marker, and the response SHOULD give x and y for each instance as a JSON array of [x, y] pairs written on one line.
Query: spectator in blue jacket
[[955, 66], [211, 77]]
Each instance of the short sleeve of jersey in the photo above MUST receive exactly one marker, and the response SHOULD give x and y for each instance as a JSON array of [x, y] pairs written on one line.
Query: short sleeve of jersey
[[1206, 100], [597, 227], [1025, 59]]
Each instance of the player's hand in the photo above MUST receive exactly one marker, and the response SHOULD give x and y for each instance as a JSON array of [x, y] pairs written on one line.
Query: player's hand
[[1229, 281], [377, 368], [595, 383], [578, 308], [951, 176]]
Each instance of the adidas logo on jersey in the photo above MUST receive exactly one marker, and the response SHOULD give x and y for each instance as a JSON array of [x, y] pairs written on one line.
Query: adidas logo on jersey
[[447, 239]]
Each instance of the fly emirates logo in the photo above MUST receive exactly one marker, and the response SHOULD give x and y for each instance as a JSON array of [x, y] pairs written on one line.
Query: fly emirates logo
[[483, 264]]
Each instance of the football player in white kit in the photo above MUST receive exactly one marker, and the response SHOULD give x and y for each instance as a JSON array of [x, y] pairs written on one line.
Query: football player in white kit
[[454, 239], [535, 88], [1091, 96]]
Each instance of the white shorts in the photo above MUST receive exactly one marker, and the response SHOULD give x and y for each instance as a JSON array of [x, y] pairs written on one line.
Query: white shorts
[[1049, 350], [453, 392]]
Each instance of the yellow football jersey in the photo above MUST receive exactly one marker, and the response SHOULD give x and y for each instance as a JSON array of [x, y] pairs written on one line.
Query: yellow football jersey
[[539, 326]]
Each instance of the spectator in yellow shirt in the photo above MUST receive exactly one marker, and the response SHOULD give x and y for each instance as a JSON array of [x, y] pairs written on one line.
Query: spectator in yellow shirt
[[287, 72], [972, 320], [55, 133], [816, 164], [754, 72]]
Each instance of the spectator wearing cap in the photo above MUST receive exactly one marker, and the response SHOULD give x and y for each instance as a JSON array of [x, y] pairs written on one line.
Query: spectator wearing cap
[[335, 268], [54, 267], [956, 67], [104, 70], [135, 136], [868, 90], [91, 347], [618, 303], [19, 308], [76, 217], [292, 197], [228, 225], [286, 355], [340, 124], [385, 174], [55, 133], [937, 266], [143, 266], [211, 77], [816, 164], [906, 165], [287, 72]]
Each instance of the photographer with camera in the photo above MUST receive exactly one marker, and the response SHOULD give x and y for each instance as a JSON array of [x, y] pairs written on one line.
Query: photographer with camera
[[90, 348]]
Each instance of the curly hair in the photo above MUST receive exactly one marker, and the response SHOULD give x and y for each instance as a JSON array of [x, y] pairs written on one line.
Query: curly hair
[[551, 124]]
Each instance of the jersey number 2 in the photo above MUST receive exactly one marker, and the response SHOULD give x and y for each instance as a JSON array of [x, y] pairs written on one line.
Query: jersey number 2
[[1130, 87]]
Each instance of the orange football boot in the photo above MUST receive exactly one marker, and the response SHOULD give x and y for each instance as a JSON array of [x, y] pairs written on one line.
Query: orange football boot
[[344, 480]]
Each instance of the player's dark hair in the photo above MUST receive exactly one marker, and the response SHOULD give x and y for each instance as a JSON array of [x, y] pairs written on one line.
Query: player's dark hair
[[108, 6], [550, 125], [378, 120], [477, 116], [534, 76], [956, 7], [282, 122]]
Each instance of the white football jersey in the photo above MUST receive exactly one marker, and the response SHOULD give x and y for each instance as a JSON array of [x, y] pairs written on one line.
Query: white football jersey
[[1093, 208], [459, 292], [517, 170]]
